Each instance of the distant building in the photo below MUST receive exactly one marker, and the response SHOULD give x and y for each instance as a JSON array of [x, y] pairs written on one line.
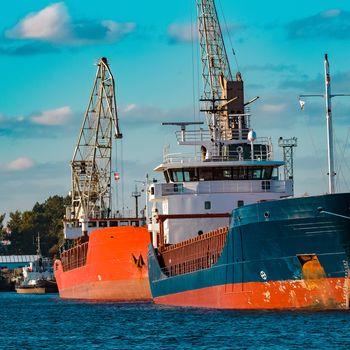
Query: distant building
[[16, 261]]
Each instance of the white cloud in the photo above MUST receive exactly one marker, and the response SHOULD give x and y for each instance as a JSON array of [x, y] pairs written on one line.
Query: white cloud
[[274, 108], [117, 30], [18, 164], [331, 13], [53, 24], [50, 24], [182, 32], [138, 116], [129, 108], [57, 116], [186, 32]]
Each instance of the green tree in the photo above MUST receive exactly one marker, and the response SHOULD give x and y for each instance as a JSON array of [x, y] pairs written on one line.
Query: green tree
[[44, 219], [2, 232]]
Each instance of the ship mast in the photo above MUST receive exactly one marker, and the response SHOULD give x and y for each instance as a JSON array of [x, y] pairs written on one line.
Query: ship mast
[[328, 102], [223, 98], [328, 97], [91, 162]]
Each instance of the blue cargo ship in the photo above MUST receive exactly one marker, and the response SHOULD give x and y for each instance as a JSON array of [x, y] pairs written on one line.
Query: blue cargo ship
[[226, 229]]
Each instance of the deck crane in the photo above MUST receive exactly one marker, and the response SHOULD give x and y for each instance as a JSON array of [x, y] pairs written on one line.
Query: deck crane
[[223, 97], [91, 162]]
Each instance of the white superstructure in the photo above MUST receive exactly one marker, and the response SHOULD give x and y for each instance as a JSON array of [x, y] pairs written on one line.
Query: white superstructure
[[202, 185], [232, 166]]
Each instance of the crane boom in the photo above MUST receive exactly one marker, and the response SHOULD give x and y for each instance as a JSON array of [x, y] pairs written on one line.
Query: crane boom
[[223, 97], [215, 64], [91, 162]]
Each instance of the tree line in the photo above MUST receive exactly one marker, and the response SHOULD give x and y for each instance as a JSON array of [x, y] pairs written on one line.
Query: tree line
[[22, 228]]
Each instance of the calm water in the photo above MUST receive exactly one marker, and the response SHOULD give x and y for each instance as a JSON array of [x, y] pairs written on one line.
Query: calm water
[[39, 322]]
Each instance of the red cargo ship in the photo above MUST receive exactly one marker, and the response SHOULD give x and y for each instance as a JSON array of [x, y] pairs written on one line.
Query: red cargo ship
[[110, 264], [104, 257]]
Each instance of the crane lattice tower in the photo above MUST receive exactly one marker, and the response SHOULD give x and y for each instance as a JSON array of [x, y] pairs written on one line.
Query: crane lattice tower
[[288, 156], [91, 162], [223, 97]]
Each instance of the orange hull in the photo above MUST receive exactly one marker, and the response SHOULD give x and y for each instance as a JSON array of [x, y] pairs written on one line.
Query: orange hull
[[325, 293], [110, 272]]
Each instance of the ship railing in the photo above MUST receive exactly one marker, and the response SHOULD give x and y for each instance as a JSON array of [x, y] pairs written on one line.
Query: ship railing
[[200, 135], [187, 158], [263, 150], [239, 186], [191, 265], [97, 222], [74, 257], [194, 254]]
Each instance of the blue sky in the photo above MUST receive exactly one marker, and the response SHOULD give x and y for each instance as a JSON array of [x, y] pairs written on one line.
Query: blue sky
[[48, 52]]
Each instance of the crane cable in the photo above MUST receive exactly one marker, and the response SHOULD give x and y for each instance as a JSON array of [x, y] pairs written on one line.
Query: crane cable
[[122, 174], [116, 209], [195, 67]]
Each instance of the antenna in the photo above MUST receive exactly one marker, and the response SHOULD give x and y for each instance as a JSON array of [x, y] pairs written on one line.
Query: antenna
[[136, 194]]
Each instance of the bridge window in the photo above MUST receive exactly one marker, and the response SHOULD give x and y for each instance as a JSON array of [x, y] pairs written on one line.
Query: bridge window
[[207, 205], [256, 174], [242, 173], [205, 174], [178, 176], [190, 175], [267, 173], [222, 174], [227, 174], [166, 176], [102, 224], [274, 174]]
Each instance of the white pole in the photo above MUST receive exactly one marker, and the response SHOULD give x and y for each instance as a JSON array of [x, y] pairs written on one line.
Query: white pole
[[331, 173]]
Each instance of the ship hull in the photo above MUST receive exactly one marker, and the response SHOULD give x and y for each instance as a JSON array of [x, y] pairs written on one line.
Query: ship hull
[[33, 290], [277, 255], [115, 267], [42, 287]]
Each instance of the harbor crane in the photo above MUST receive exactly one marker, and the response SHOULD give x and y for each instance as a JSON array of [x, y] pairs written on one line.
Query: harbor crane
[[91, 162]]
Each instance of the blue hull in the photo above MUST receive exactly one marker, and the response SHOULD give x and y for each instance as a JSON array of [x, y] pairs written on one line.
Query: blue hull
[[264, 249]]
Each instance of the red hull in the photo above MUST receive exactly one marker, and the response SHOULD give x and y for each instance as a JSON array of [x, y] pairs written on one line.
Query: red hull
[[326, 293], [110, 272]]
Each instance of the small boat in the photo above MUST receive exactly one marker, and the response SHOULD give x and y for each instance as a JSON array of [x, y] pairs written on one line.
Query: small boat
[[38, 276]]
